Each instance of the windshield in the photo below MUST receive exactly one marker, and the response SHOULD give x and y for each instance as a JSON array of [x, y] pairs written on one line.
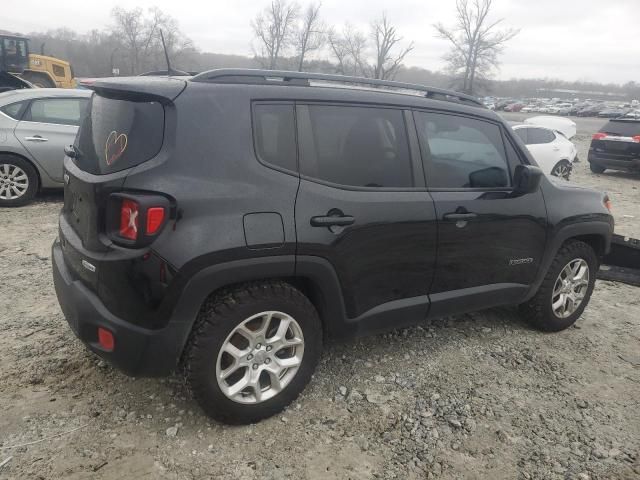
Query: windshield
[[14, 54], [119, 134]]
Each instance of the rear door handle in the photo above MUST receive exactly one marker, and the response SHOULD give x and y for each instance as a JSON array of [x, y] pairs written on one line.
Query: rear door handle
[[456, 217], [36, 138], [332, 221]]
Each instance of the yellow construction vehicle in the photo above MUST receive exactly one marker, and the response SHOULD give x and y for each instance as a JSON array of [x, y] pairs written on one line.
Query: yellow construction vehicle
[[17, 64]]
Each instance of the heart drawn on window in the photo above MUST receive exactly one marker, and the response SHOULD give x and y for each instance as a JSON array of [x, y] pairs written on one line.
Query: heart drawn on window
[[115, 146]]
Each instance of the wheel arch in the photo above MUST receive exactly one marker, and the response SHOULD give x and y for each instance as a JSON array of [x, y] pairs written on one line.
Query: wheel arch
[[35, 166], [313, 276], [596, 234]]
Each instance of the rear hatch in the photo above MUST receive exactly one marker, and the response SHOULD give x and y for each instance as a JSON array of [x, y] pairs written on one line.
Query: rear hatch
[[619, 139], [124, 127]]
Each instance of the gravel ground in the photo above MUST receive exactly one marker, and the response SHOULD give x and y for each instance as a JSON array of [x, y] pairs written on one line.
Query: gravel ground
[[473, 396]]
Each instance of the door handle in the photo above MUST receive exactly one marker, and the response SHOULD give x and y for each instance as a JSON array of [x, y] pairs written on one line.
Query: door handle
[[456, 217], [36, 138], [332, 221]]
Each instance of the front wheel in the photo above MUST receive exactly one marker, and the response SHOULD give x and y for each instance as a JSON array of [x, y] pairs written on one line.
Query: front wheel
[[252, 351], [565, 290]]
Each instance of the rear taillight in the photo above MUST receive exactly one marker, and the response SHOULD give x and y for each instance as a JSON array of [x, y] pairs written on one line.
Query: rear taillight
[[134, 220], [636, 138], [155, 219], [599, 136], [129, 214]]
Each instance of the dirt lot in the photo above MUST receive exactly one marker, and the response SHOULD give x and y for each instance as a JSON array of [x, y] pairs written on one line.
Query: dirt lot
[[475, 396]]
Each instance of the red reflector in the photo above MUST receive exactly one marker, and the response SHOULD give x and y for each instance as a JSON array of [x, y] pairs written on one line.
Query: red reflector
[[155, 217], [105, 339], [129, 219], [599, 136]]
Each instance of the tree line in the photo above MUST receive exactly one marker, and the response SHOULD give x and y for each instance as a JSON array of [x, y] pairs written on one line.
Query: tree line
[[287, 36]]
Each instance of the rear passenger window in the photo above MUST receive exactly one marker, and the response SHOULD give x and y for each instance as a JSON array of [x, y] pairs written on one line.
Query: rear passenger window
[[274, 134], [354, 146], [462, 152], [536, 136], [13, 109]]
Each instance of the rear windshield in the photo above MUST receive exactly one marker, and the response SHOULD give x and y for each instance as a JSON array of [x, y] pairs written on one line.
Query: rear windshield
[[119, 134], [622, 129]]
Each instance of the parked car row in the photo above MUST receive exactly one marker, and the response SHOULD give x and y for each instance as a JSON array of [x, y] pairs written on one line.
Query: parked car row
[[574, 108]]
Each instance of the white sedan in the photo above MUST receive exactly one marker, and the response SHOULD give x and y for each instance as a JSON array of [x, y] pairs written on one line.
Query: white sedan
[[553, 152]]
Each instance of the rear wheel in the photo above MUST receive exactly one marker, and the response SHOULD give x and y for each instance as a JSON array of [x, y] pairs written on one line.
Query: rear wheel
[[562, 169], [38, 79], [565, 290], [18, 181], [252, 351], [595, 168]]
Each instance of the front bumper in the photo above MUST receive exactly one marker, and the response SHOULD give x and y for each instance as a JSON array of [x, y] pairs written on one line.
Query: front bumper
[[138, 351]]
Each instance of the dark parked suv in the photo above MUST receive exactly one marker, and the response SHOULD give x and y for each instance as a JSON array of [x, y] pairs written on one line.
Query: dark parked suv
[[228, 224], [616, 146]]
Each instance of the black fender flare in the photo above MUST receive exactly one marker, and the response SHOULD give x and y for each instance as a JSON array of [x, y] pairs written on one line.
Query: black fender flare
[[316, 271], [601, 229]]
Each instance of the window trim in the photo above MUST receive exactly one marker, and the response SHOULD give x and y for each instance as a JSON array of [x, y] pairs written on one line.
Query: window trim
[[254, 136], [425, 160], [413, 162], [32, 100]]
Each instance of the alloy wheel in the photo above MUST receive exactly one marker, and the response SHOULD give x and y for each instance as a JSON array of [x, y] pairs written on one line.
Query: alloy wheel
[[562, 170], [14, 182], [570, 288], [260, 357]]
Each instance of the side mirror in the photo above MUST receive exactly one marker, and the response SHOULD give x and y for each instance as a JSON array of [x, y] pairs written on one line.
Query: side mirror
[[526, 179]]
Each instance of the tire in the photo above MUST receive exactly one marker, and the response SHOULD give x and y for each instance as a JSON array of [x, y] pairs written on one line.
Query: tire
[[595, 168], [40, 80], [562, 169], [539, 310], [246, 308], [16, 173]]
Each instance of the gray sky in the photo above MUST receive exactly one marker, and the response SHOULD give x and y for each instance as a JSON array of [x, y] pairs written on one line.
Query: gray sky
[[591, 40]]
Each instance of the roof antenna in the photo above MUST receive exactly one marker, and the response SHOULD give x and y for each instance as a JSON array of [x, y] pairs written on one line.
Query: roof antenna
[[166, 54]]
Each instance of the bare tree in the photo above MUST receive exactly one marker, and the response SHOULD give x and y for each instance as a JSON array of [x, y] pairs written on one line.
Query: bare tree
[[388, 58], [273, 29], [476, 42], [349, 50], [138, 36], [311, 35]]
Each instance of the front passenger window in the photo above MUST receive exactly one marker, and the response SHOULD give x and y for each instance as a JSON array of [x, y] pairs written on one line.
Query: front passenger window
[[462, 152]]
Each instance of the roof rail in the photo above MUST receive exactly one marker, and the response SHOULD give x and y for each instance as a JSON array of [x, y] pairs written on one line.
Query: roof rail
[[282, 77]]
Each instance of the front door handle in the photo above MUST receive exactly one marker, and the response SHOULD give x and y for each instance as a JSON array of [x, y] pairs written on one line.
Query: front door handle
[[456, 217], [333, 218], [36, 138]]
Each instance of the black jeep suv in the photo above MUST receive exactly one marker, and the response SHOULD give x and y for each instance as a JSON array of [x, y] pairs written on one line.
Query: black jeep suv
[[616, 146], [229, 223]]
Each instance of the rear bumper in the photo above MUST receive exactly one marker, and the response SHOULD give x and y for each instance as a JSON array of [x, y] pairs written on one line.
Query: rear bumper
[[615, 163], [138, 351]]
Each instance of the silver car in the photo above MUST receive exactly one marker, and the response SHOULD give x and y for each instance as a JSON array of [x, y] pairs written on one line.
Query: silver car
[[35, 126]]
